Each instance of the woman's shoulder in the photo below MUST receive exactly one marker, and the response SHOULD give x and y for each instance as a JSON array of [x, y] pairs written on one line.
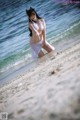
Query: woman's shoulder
[[30, 23], [42, 20]]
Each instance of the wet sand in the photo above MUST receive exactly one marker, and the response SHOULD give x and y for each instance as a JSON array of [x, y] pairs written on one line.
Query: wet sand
[[49, 91]]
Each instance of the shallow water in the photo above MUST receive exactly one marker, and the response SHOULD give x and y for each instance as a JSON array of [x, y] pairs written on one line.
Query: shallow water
[[61, 21]]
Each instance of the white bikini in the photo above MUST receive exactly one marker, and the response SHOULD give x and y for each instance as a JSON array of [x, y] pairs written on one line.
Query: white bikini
[[40, 27], [36, 47]]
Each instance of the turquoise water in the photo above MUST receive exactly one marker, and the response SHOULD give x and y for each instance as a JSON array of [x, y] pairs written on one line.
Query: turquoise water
[[61, 21]]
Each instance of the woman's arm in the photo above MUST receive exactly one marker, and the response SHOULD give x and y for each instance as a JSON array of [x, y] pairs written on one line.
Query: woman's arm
[[33, 29], [44, 31]]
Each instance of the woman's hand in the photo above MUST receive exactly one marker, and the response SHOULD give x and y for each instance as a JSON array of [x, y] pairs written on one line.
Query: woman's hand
[[33, 29], [44, 42]]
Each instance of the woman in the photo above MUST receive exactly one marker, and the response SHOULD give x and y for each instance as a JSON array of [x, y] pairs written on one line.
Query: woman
[[37, 28]]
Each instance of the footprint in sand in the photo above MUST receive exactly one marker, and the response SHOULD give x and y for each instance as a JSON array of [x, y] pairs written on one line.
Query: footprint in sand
[[53, 116], [20, 111], [10, 115], [54, 71], [77, 107]]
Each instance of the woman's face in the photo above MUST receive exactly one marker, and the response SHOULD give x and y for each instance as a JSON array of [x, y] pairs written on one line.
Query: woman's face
[[33, 16]]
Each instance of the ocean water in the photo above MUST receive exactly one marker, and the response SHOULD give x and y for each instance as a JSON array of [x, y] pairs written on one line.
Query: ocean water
[[62, 20]]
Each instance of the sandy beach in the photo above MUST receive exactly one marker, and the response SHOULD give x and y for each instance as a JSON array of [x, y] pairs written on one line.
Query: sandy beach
[[49, 91]]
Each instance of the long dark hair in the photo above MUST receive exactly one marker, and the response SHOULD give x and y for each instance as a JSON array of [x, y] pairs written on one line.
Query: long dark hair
[[29, 12]]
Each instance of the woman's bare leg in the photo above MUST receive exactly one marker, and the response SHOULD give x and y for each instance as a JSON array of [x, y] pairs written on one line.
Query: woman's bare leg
[[41, 54], [48, 47]]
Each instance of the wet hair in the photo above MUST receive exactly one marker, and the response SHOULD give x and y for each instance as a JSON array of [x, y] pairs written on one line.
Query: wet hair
[[29, 13]]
